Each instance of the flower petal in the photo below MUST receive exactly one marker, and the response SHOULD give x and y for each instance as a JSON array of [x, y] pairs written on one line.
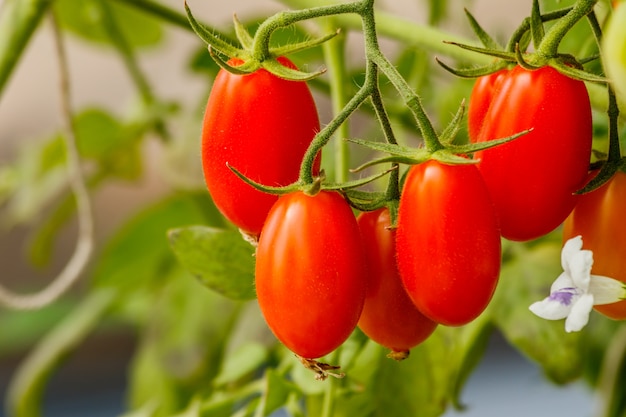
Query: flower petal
[[579, 316], [563, 281], [550, 309], [580, 268], [571, 247], [606, 290]]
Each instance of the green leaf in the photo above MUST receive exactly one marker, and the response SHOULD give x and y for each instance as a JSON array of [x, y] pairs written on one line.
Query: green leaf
[[469, 345], [84, 18], [25, 394], [137, 258], [276, 393], [524, 279], [182, 344], [221, 259], [244, 360]]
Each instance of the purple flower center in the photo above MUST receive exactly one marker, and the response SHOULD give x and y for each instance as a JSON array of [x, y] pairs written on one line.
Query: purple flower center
[[564, 295]]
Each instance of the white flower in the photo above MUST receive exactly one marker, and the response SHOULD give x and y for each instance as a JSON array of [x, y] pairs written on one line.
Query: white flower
[[576, 291]]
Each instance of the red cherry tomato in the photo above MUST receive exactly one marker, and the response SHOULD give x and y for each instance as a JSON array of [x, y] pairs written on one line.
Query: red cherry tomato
[[598, 218], [532, 179], [389, 316], [262, 126], [310, 272], [448, 242]]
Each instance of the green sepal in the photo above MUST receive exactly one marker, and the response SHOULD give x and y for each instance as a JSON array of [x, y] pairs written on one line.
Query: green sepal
[[578, 74], [266, 188], [301, 46], [589, 59], [391, 149], [522, 62], [487, 41], [536, 24], [449, 158], [281, 71], [481, 146], [473, 72], [357, 183], [246, 68], [365, 200], [242, 33], [507, 56], [210, 39], [452, 129], [412, 160]]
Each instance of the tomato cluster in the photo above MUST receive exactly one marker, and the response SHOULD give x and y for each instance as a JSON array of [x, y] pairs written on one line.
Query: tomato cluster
[[321, 271]]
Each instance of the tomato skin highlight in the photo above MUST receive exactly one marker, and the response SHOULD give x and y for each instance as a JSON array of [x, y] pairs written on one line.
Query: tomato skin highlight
[[389, 316], [532, 180], [310, 272], [448, 242], [262, 126], [599, 219], [480, 99]]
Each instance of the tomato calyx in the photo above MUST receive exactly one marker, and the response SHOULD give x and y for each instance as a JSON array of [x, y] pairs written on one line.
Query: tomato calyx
[[399, 355], [448, 153], [322, 370], [546, 44], [310, 188], [255, 52]]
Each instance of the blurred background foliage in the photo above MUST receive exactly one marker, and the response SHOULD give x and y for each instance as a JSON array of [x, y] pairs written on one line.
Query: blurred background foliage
[[162, 275]]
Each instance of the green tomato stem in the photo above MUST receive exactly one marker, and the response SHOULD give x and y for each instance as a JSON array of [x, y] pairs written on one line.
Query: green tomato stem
[[18, 21], [550, 44], [261, 46], [334, 53]]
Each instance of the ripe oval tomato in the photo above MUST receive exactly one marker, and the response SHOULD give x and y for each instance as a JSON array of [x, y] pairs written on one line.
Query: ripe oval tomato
[[448, 242], [480, 99], [262, 126], [532, 179], [389, 316], [599, 219], [310, 272]]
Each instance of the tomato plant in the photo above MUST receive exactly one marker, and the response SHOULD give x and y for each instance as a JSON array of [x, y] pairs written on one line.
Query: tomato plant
[[448, 242], [532, 180], [262, 126], [598, 219], [310, 272], [389, 316]]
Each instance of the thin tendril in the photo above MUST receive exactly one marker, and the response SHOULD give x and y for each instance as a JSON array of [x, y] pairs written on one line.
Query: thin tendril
[[85, 241]]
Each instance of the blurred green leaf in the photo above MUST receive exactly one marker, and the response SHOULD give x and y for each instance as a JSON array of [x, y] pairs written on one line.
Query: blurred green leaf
[[22, 329], [221, 259], [527, 278], [181, 345], [469, 345], [244, 360], [276, 394], [137, 258], [84, 18], [25, 393]]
